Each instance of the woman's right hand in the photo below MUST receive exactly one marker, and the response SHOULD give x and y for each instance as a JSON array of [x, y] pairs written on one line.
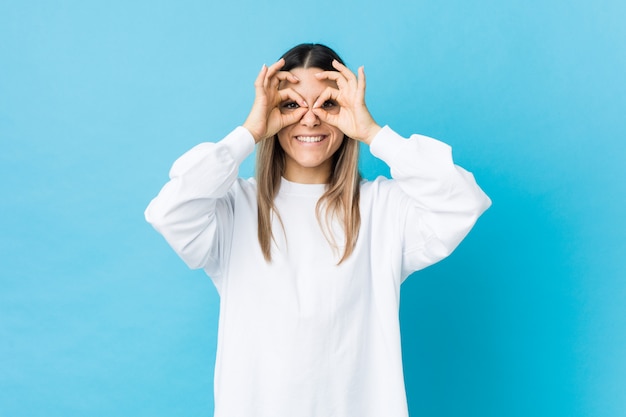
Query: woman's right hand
[[265, 118]]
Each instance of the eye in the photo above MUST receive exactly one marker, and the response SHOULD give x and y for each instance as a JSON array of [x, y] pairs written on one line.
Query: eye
[[290, 105], [329, 104]]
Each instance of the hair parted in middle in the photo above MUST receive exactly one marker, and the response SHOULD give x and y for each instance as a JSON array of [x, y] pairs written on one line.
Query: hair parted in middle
[[340, 201]]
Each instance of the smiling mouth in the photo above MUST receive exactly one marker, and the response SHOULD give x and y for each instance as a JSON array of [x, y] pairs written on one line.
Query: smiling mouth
[[310, 139]]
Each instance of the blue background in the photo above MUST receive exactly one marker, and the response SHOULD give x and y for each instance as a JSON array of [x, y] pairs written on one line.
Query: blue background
[[98, 317]]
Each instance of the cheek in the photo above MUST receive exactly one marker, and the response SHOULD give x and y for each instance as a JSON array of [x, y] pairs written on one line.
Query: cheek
[[339, 138], [282, 135]]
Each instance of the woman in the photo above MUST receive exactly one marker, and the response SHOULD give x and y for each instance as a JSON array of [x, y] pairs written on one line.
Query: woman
[[308, 259]]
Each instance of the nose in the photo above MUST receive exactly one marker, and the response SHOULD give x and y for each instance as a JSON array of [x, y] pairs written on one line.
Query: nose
[[310, 119]]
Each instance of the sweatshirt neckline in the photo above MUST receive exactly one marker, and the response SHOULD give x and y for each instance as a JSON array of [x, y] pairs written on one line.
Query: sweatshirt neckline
[[288, 187]]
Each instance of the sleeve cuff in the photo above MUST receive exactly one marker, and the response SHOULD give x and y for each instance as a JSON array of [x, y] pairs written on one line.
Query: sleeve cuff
[[386, 144], [240, 143]]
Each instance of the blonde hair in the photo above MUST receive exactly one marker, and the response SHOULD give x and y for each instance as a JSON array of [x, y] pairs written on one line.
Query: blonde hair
[[339, 202]]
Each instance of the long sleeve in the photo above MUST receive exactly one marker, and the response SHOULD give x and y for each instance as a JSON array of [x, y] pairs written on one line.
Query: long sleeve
[[441, 201], [194, 210]]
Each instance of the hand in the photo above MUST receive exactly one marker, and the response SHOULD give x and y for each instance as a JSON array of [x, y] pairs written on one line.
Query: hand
[[265, 118], [353, 117]]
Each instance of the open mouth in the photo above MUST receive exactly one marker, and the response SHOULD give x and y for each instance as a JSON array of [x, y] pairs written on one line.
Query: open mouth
[[310, 139]]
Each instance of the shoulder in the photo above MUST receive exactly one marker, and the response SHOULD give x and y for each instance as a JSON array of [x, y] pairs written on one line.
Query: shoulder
[[245, 185], [379, 189]]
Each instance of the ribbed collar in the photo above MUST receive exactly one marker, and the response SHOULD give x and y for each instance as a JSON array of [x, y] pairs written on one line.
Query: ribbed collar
[[294, 188]]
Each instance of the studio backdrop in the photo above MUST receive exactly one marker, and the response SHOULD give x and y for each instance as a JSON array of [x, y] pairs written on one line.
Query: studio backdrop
[[98, 317]]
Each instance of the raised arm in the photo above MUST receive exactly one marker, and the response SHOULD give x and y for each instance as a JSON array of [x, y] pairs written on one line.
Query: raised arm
[[442, 200], [194, 210]]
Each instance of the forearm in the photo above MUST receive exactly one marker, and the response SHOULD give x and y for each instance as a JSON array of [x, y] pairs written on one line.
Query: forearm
[[191, 202], [444, 196]]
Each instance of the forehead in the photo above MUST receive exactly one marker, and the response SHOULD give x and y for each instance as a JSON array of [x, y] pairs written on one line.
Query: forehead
[[308, 81]]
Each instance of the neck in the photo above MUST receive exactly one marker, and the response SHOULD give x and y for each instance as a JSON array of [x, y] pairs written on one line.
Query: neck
[[304, 175]]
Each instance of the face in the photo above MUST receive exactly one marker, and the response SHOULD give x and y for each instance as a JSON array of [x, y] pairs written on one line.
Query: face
[[309, 143]]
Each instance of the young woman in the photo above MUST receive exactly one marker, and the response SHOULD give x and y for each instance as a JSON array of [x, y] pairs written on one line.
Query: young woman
[[308, 258]]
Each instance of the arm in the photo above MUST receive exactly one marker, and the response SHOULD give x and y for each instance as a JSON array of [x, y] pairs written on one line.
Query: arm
[[442, 199], [194, 210]]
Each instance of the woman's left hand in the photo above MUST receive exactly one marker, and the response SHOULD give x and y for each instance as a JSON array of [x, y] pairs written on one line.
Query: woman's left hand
[[353, 117]]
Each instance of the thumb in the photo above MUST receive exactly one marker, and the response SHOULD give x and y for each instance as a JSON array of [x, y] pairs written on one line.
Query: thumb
[[293, 117], [324, 116]]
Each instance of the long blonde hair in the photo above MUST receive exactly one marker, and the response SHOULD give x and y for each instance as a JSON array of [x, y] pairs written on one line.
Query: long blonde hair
[[340, 201]]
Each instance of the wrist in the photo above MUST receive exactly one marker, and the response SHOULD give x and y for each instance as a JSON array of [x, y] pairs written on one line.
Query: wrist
[[255, 135], [370, 133]]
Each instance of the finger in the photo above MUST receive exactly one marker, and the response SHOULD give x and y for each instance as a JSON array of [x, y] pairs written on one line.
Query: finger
[[331, 118], [287, 94], [344, 70], [278, 121], [328, 94], [293, 117], [335, 76], [287, 76], [361, 83], [276, 66], [324, 116], [361, 77], [271, 71], [260, 77], [281, 76]]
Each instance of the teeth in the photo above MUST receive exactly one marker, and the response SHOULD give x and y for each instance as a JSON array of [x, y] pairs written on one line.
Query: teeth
[[309, 139]]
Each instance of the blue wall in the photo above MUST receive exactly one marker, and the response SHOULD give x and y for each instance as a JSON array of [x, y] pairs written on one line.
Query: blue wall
[[97, 315]]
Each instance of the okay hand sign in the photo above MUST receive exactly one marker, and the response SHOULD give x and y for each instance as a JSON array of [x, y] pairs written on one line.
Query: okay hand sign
[[353, 117], [265, 118]]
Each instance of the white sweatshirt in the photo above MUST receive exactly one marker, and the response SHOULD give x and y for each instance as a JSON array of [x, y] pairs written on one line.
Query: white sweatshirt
[[301, 336]]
